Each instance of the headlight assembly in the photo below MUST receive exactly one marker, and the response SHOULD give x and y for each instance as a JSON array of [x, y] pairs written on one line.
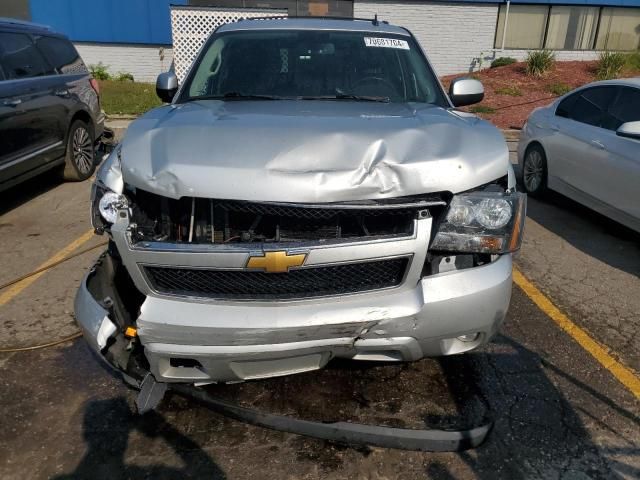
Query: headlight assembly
[[104, 206], [482, 222], [109, 204]]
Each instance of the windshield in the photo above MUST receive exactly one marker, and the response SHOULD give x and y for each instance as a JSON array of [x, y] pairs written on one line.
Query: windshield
[[302, 64]]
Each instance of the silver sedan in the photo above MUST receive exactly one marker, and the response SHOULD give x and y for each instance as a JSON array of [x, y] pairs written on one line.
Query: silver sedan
[[586, 145]]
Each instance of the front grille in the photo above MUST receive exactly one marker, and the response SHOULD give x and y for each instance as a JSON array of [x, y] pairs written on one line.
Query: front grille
[[301, 283], [218, 221], [323, 213]]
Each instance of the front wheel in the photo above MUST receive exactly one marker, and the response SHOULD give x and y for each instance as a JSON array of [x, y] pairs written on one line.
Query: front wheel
[[534, 171], [80, 157]]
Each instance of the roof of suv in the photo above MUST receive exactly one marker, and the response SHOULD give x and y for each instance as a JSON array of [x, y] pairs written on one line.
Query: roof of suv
[[30, 27], [314, 23]]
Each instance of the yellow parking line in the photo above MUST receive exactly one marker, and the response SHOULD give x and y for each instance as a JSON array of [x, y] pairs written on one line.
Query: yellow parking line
[[15, 289], [624, 375]]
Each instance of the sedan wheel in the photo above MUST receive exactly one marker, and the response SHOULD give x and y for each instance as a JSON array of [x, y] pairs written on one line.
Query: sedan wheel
[[534, 171]]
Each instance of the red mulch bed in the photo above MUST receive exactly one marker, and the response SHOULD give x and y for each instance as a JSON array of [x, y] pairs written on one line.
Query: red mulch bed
[[512, 111]]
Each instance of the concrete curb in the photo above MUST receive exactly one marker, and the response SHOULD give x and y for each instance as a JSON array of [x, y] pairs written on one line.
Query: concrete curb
[[512, 137]]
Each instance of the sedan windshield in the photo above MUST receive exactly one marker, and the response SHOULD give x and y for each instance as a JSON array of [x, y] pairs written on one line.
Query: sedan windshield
[[313, 65]]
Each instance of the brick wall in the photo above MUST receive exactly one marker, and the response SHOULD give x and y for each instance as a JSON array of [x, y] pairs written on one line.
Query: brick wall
[[453, 35], [142, 61]]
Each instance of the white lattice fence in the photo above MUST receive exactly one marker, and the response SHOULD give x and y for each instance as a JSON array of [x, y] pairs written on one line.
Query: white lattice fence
[[191, 26]]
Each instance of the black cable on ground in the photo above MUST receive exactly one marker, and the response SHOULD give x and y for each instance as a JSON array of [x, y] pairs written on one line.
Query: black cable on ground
[[526, 103], [43, 345], [78, 334], [51, 265]]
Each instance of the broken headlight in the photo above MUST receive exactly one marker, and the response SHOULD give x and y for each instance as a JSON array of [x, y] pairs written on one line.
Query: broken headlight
[[104, 206], [482, 222]]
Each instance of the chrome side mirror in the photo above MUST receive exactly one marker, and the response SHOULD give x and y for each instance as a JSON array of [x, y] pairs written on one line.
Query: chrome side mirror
[[167, 86], [465, 91], [629, 130]]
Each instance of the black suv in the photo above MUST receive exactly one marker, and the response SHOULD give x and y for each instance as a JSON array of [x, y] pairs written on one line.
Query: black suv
[[50, 112]]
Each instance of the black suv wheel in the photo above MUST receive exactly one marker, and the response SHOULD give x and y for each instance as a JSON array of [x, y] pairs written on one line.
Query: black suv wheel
[[80, 157]]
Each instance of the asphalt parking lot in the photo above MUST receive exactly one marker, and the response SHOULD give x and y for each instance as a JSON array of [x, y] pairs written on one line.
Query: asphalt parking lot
[[561, 405]]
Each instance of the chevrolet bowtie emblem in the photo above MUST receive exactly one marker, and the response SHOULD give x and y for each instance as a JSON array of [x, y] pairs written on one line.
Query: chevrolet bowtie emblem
[[276, 262]]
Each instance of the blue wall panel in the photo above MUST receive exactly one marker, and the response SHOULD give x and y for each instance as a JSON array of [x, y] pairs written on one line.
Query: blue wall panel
[[148, 21], [109, 21]]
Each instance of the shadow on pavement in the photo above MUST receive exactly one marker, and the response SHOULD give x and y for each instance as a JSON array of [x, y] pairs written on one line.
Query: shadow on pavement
[[28, 190], [107, 427], [588, 231], [537, 432]]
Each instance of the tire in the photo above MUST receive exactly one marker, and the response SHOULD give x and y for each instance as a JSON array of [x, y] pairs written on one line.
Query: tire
[[79, 162], [534, 171]]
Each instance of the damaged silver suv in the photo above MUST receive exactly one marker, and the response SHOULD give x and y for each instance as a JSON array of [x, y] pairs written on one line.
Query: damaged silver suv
[[309, 193]]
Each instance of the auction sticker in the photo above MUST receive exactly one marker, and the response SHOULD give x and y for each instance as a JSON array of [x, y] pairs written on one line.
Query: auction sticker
[[386, 43]]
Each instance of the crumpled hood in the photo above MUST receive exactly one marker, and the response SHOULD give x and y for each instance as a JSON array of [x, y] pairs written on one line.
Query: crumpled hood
[[309, 151]]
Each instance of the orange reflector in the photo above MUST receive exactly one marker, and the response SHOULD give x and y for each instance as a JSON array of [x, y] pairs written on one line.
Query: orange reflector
[[492, 244], [130, 332], [518, 224]]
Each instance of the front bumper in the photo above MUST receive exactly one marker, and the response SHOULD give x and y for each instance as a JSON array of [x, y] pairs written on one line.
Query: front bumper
[[193, 341]]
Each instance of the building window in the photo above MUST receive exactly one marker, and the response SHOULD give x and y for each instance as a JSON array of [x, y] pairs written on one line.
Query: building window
[[525, 26], [619, 29], [572, 28], [561, 27]]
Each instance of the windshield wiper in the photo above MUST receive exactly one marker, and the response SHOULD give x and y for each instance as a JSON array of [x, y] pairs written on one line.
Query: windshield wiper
[[234, 96], [347, 96], [249, 96]]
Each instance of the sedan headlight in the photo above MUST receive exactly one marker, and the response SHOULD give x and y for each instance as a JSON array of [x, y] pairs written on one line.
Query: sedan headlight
[[104, 206], [482, 222]]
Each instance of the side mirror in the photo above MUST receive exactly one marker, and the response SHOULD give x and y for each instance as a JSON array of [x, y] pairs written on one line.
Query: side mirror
[[166, 86], [465, 91], [629, 130]]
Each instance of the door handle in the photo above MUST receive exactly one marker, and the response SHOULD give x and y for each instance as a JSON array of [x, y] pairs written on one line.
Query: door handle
[[61, 93], [12, 103], [598, 144]]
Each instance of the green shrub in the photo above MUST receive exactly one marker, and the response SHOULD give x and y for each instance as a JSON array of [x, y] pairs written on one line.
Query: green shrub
[[610, 65], [124, 77], [482, 109], [632, 60], [502, 62], [559, 88], [512, 91], [539, 62], [99, 71]]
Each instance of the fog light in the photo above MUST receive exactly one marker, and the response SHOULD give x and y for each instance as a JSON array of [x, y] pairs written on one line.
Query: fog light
[[469, 337]]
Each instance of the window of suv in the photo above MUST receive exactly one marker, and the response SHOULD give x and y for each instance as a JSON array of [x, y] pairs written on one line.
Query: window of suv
[[20, 58], [305, 65], [588, 106], [61, 54]]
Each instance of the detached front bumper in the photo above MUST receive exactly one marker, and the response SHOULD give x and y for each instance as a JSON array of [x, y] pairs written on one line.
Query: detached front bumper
[[181, 340]]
